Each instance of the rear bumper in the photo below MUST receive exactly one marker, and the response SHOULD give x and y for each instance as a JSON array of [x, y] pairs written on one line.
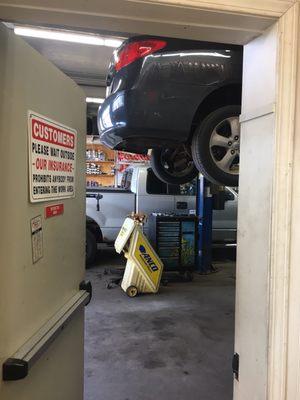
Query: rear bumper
[[132, 120]]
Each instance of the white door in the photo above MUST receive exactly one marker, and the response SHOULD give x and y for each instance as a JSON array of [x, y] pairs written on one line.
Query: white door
[[254, 256], [42, 229], [225, 221], [114, 207]]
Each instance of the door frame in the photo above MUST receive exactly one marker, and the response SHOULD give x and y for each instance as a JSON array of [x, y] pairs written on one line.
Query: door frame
[[214, 24]]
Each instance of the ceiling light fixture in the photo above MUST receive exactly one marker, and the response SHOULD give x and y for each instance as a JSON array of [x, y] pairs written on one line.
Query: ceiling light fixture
[[66, 36], [96, 100], [112, 42]]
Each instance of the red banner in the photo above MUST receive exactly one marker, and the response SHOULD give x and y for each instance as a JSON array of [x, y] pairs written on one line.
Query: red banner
[[128, 158]]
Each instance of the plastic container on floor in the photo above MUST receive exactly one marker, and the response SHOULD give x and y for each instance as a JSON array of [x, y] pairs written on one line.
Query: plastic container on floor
[[144, 268]]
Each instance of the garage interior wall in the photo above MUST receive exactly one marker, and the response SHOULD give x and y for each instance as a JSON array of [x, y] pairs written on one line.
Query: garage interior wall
[[32, 293]]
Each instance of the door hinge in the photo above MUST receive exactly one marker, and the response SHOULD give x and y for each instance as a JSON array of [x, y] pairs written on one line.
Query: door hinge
[[236, 365]]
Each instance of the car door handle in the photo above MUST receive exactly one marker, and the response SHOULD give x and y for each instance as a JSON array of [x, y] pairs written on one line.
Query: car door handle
[[97, 196], [181, 205]]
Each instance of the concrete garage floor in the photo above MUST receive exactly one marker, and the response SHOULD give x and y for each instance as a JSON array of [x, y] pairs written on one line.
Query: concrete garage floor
[[175, 345]]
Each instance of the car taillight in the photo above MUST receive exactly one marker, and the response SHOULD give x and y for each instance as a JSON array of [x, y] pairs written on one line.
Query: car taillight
[[135, 50]]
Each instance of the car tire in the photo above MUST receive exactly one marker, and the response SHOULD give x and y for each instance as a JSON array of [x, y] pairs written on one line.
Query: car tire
[[186, 174], [215, 146], [91, 248]]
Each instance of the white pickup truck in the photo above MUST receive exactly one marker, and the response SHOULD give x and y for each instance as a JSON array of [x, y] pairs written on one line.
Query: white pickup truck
[[141, 191]]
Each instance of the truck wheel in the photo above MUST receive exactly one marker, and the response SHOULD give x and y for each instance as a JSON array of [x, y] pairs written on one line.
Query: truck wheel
[[90, 248], [216, 146], [173, 165]]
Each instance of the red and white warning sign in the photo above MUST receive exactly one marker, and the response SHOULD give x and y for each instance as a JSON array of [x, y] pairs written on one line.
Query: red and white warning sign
[[52, 159], [54, 210]]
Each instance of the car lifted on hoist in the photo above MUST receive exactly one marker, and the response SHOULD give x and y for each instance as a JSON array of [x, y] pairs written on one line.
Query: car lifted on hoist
[[179, 98]]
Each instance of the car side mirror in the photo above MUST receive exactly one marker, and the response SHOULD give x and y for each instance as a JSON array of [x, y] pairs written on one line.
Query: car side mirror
[[220, 198]]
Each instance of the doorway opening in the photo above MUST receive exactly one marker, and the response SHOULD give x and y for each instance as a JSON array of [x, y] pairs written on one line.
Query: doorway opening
[[157, 329]]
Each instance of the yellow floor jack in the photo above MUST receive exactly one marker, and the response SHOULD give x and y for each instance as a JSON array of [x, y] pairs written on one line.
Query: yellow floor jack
[[143, 268]]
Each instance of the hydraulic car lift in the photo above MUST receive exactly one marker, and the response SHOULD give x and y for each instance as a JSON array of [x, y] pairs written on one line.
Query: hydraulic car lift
[[204, 207], [208, 198]]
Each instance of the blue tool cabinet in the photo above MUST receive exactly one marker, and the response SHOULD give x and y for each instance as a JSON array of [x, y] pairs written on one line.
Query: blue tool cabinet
[[174, 239]]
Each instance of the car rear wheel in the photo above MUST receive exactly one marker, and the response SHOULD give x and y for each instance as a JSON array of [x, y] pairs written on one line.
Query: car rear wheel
[[216, 146], [173, 165]]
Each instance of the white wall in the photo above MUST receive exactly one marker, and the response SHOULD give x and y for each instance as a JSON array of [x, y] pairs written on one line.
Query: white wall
[[293, 342], [94, 91], [254, 215], [227, 21]]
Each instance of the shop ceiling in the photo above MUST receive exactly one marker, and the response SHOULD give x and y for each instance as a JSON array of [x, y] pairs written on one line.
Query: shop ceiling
[[85, 64]]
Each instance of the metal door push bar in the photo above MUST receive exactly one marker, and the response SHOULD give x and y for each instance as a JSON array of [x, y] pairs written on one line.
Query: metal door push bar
[[18, 365]]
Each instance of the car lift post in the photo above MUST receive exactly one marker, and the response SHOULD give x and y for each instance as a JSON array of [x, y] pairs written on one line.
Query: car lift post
[[204, 211]]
